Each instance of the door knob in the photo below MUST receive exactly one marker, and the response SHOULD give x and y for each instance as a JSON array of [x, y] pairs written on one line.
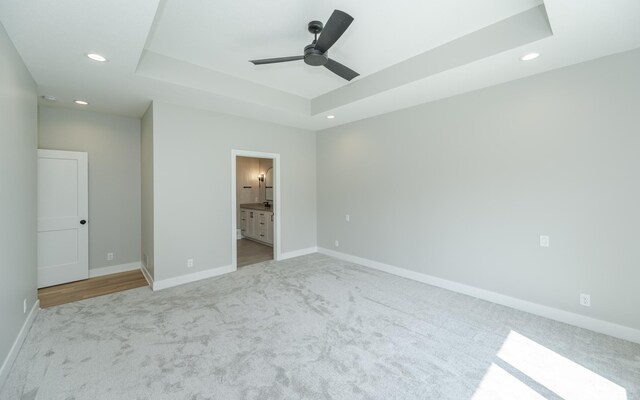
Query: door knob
[[82, 222]]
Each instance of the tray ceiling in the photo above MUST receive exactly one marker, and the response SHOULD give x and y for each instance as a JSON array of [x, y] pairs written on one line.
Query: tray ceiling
[[196, 53]]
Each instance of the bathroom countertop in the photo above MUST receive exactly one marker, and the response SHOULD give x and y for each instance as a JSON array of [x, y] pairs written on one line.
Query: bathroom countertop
[[256, 206]]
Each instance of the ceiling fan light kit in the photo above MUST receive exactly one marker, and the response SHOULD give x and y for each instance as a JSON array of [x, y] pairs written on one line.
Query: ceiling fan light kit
[[317, 53]]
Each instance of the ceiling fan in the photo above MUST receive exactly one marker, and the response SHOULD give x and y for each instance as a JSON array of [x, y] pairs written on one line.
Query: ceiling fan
[[316, 53]]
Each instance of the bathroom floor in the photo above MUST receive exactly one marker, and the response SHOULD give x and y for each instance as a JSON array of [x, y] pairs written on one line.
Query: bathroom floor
[[250, 252]]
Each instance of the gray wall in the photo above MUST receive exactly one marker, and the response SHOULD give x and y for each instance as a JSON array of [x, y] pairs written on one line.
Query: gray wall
[[146, 174], [462, 188], [192, 178], [18, 138], [113, 144]]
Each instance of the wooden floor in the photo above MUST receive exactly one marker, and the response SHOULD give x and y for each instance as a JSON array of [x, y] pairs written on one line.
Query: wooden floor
[[92, 287], [250, 252]]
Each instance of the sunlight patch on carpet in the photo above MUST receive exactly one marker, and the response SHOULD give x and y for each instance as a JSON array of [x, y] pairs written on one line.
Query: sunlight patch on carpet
[[559, 374]]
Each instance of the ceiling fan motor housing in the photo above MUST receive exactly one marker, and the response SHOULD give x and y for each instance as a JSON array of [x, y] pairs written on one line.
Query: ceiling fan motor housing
[[315, 57]]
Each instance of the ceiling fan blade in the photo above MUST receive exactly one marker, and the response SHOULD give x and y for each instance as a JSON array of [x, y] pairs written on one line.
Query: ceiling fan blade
[[341, 70], [338, 22], [276, 60]]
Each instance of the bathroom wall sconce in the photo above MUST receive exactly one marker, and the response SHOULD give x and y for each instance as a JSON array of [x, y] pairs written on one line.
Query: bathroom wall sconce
[[261, 177]]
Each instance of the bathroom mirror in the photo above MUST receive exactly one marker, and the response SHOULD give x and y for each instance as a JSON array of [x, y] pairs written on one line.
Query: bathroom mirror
[[268, 185]]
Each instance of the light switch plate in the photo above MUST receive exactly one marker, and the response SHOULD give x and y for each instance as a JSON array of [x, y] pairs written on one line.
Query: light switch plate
[[544, 241]]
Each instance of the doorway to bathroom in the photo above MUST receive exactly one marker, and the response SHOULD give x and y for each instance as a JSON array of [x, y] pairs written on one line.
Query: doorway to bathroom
[[256, 207]]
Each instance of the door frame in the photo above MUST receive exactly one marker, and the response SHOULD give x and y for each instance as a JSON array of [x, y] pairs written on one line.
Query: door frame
[[277, 253]]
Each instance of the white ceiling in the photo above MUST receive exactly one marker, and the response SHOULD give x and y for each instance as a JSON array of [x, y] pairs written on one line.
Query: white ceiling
[[224, 35], [196, 53]]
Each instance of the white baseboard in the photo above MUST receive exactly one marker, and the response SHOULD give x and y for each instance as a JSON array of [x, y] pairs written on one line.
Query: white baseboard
[[196, 276], [298, 253], [17, 344], [147, 275], [582, 321], [114, 269]]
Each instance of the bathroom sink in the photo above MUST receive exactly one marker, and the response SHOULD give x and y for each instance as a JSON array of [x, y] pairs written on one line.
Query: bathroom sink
[[256, 206]]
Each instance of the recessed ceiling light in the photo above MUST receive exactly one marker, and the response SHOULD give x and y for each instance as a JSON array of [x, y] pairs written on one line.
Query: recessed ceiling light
[[331, 116], [81, 102], [530, 56], [96, 57], [49, 98]]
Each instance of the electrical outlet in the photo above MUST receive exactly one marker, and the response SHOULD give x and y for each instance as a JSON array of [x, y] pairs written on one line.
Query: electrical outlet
[[190, 263], [585, 300], [109, 256], [337, 244], [24, 306], [347, 218], [544, 241]]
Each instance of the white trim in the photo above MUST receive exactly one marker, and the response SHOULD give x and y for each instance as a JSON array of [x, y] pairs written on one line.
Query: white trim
[[582, 321], [298, 253], [277, 246], [234, 212], [196, 276], [17, 344], [114, 269], [147, 275]]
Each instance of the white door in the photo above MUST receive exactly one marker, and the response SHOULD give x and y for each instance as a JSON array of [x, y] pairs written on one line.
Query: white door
[[63, 234]]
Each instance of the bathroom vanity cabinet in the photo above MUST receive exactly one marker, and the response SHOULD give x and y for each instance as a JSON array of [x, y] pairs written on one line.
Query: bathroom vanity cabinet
[[256, 222]]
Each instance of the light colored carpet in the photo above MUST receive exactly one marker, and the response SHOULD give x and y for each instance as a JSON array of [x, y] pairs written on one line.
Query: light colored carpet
[[312, 327]]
